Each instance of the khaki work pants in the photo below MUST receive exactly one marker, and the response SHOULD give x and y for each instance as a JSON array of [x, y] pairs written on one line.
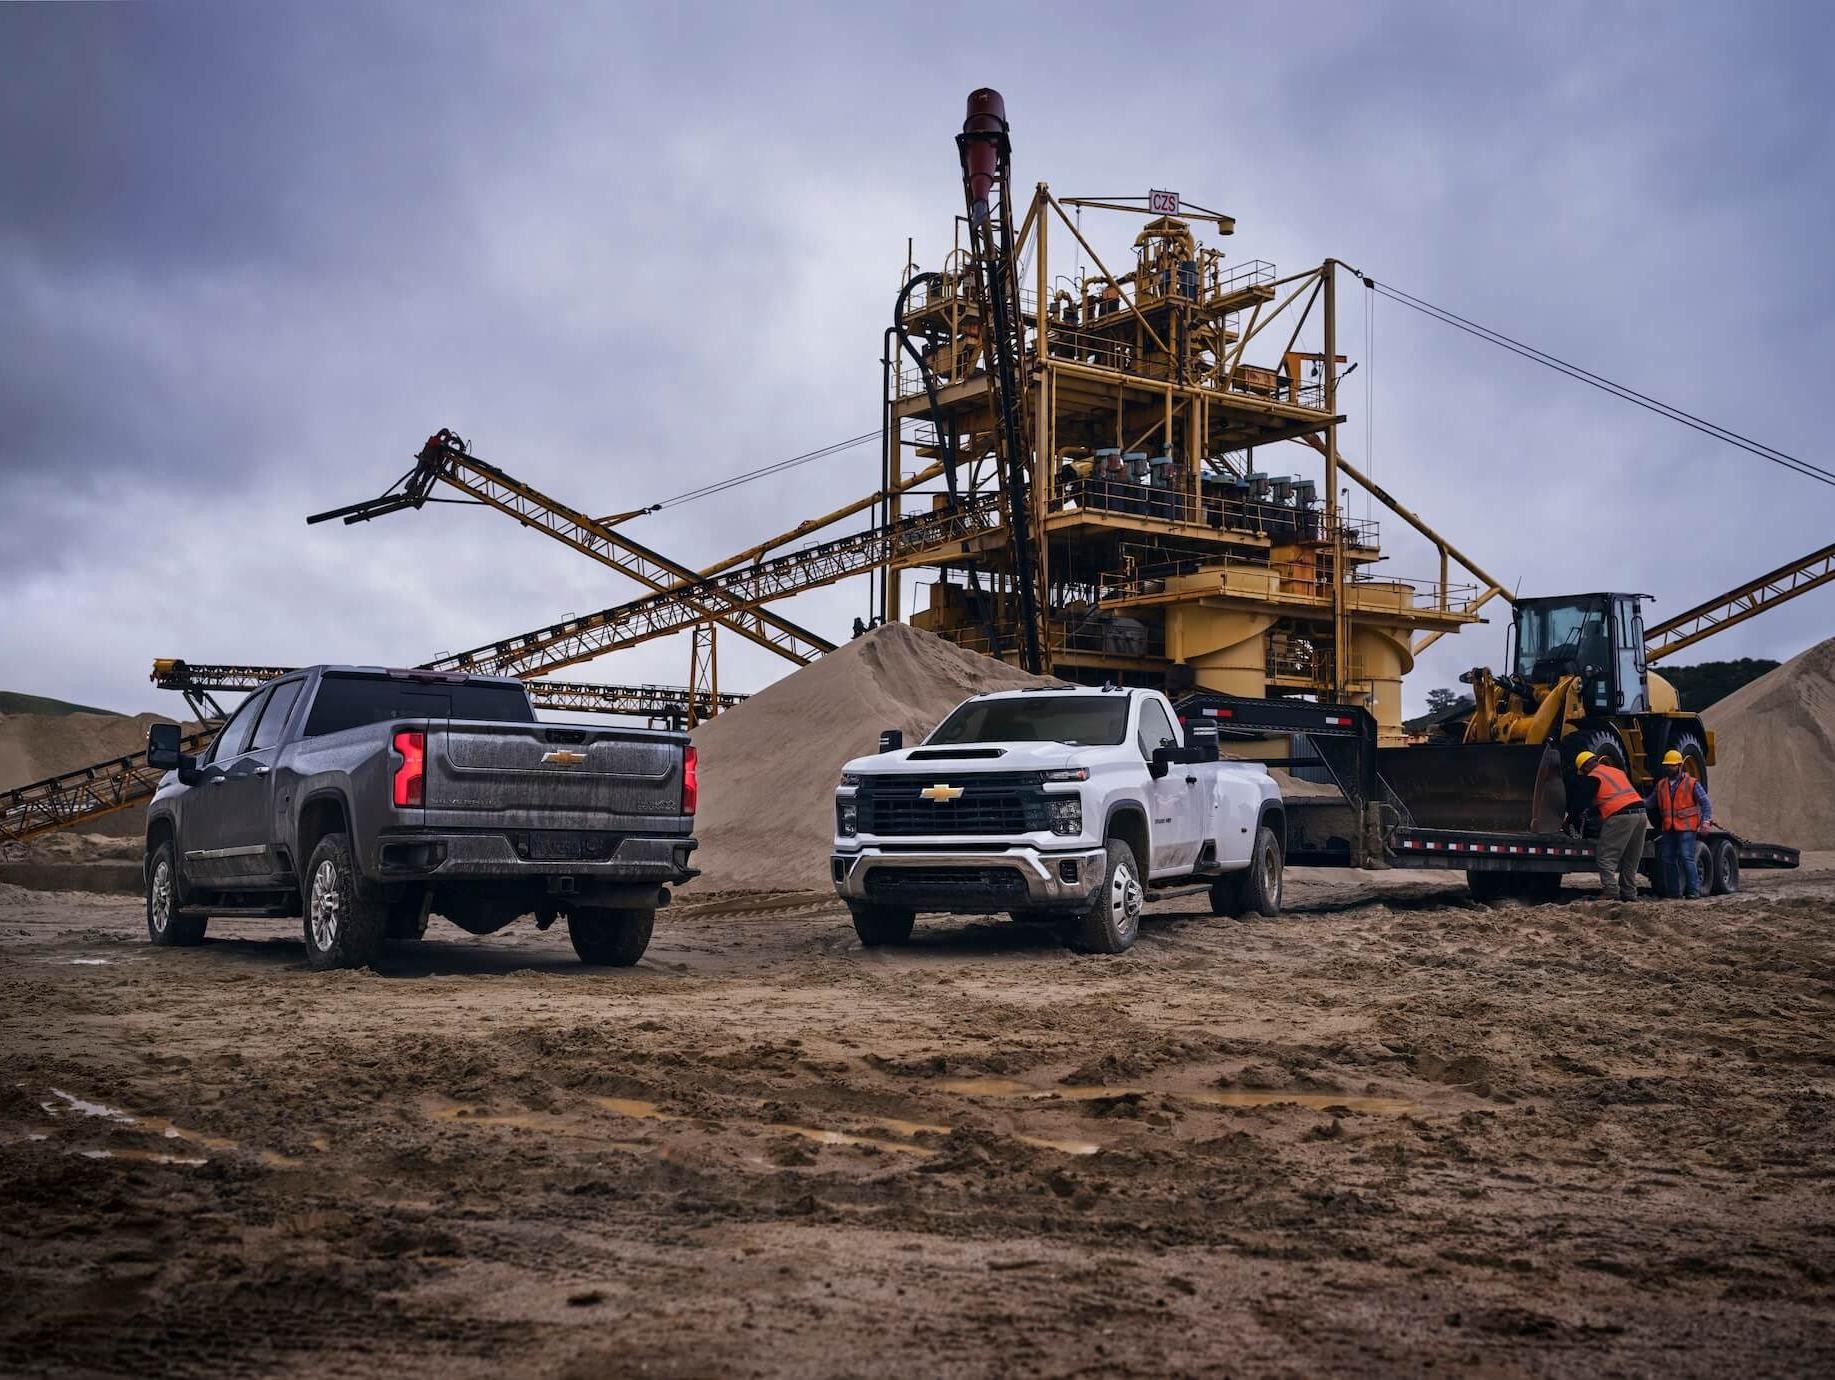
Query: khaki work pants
[[1619, 851]]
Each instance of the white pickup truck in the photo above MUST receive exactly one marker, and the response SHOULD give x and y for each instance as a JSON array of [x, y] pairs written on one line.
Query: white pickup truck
[[1062, 805]]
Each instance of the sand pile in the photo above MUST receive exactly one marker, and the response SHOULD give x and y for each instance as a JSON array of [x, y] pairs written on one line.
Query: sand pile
[[1775, 746], [768, 767], [34, 746]]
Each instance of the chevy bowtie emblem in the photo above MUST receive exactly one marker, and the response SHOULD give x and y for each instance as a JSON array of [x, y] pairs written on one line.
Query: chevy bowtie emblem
[[563, 758], [941, 792]]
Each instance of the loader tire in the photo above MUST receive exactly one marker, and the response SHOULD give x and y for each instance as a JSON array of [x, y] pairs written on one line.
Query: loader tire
[[1694, 759], [1601, 742]]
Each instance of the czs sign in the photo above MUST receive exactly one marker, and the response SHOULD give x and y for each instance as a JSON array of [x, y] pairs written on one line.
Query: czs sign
[[1163, 203]]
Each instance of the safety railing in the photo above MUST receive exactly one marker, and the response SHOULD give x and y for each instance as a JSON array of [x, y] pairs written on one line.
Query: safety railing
[[1223, 280], [1103, 635], [1292, 657], [1218, 507]]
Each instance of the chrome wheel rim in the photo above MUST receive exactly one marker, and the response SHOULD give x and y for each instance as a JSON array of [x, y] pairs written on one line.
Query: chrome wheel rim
[[1271, 876], [326, 906], [159, 897], [1125, 900]]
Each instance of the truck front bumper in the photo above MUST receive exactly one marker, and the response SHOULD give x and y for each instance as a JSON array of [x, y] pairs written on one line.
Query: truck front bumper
[[972, 883]]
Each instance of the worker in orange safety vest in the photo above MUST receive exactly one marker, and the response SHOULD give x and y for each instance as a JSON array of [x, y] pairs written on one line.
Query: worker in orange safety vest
[[1623, 824], [1683, 809]]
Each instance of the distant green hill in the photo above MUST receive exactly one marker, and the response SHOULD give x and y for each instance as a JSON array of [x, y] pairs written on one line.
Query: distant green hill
[[12, 702], [1708, 682]]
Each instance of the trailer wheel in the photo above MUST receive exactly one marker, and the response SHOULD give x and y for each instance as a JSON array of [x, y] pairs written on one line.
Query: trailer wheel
[[1726, 868], [1540, 887], [1706, 866], [881, 925], [610, 937], [1487, 887]]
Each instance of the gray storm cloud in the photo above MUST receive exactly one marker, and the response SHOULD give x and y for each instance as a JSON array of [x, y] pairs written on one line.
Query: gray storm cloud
[[251, 256]]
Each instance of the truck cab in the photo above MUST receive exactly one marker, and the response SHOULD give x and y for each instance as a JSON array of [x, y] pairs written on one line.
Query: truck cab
[[1059, 804]]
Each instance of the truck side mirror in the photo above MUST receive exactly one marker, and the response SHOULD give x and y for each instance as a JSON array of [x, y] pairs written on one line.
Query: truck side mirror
[[1161, 761], [891, 739], [162, 746], [163, 752]]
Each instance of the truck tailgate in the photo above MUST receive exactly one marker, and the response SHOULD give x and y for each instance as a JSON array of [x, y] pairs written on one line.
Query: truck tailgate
[[504, 772]]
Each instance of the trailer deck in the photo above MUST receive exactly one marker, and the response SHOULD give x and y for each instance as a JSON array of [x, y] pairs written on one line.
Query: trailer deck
[[1365, 824]]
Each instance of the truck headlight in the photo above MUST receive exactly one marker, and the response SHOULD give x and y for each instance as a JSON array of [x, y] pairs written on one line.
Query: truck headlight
[[1065, 814], [847, 817]]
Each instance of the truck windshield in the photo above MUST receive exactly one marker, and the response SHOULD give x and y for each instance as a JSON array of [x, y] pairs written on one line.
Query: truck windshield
[[1560, 638], [1087, 720], [351, 701]]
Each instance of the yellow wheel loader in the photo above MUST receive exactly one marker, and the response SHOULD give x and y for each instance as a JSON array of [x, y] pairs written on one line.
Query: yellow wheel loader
[[1577, 681]]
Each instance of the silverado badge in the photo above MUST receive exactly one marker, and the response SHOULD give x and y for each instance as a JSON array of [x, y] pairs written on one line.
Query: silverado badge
[[941, 792], [563, 758]]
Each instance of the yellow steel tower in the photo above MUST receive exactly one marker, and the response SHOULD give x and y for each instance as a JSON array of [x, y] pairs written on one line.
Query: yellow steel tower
[[1172, 545]]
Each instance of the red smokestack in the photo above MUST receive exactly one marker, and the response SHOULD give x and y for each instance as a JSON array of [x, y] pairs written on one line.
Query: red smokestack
[[987, 126]]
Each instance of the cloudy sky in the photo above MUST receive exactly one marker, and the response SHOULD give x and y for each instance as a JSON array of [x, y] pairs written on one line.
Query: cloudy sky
[[251, 255]]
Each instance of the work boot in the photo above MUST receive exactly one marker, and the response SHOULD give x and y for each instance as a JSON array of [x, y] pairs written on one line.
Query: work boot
[[1691, 896], [1627, 896]]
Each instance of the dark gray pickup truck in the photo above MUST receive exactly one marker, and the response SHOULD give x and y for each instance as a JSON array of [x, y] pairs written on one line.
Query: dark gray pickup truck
[[366, 799]]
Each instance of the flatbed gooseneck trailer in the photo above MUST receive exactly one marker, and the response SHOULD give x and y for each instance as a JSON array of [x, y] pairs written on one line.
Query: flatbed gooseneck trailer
[[1364, 823]]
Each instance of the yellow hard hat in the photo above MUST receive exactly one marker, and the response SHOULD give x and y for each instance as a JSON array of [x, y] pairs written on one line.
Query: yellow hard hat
[[1584, 760], [1672, 758]]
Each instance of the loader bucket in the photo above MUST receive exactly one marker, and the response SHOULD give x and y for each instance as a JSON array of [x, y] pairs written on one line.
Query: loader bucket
[[1496, 787]]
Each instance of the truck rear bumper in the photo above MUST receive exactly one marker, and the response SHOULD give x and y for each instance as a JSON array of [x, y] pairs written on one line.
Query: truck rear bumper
[[969, 882], [462, 856]]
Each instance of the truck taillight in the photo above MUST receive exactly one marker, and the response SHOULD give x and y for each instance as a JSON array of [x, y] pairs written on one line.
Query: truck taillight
[[411, 775], [691, 781]]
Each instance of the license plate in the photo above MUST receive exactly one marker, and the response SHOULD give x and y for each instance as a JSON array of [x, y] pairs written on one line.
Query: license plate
[[564, 847]]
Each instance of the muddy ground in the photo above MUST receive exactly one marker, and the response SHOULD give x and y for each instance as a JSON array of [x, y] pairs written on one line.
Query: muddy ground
[[1388, 1132]]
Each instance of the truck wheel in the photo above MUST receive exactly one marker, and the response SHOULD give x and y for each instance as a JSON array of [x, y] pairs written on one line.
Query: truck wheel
[[880, 925], [345, 920], [610, 938], [1226, 893], [1726, 867], [1261, 884], [165, 926], [1112, 920]]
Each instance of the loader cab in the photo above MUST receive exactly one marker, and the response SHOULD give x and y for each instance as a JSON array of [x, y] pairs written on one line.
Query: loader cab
[[1598, 637]]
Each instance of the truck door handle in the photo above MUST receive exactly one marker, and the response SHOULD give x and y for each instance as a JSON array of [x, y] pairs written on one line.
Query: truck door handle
[[262, 771], [1191, 780], [216, 780]]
